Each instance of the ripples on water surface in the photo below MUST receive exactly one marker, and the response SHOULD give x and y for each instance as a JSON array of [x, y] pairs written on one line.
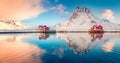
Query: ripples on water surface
[[60, 48]]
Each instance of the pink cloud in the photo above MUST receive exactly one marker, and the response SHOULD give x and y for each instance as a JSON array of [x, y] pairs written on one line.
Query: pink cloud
[[108, 14], [20, 9]]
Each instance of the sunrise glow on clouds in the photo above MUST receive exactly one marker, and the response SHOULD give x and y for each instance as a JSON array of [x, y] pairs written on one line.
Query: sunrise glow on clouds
[[20, 9], [108, 14]]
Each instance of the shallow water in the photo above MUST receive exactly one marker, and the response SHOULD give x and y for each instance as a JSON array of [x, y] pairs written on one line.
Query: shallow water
[[60, 48]]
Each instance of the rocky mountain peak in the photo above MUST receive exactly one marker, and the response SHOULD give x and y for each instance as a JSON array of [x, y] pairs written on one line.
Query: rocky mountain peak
[[85, 10], [81, 11]]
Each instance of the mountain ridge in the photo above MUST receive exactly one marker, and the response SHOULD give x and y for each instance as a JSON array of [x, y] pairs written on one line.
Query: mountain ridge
[[11, 25]]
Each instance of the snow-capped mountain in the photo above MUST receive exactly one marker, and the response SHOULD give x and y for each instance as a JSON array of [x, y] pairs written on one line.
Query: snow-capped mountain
[[83, 19]]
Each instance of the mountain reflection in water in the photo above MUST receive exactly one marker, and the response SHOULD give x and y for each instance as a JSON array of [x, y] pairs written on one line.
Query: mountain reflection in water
[[81, 43], [60, 48]]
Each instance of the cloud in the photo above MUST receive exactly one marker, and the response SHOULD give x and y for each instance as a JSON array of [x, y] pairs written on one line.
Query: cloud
[[60, 9], [108, 14], [20, 9]]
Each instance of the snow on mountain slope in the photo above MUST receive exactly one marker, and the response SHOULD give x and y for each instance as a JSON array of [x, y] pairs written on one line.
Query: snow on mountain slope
[[12, 25], [83, 19]]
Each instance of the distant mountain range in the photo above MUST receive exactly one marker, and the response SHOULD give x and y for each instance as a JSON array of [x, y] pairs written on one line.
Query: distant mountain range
[[11, 25], [82, 20]]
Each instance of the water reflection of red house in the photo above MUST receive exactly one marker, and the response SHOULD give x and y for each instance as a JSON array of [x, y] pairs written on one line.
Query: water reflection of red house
[[43, 36], [45, 28], [96, 36]]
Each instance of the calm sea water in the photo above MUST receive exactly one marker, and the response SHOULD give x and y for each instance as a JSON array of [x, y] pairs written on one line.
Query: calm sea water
[[60, 48]]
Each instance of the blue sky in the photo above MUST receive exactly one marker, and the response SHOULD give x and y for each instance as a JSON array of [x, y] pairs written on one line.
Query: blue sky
[[59, 11]]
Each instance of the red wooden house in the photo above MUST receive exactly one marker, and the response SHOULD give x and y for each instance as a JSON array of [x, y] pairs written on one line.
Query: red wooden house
[[96, 28], [44, 28]]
